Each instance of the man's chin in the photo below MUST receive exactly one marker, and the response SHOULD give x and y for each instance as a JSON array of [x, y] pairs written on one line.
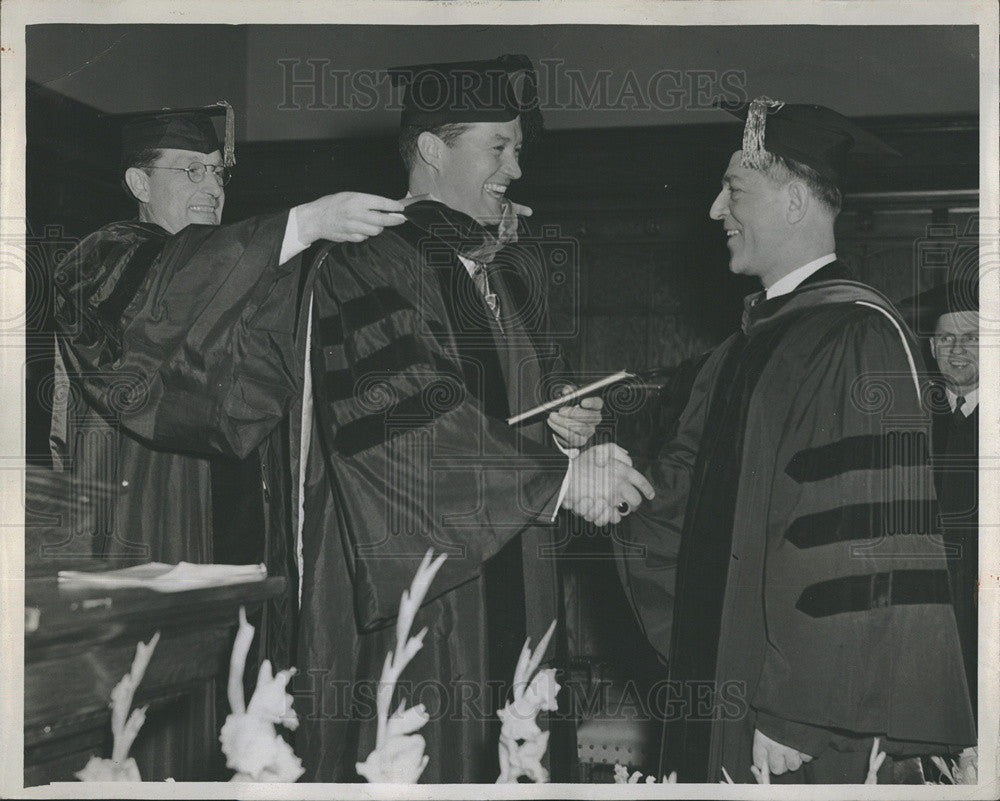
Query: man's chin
[[491, 212], [960, 382], [204, 217], [487, 212]]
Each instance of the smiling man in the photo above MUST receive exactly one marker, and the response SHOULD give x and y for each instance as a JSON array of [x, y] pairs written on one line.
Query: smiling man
[[424, 340], [955, 347], [951, 312], [149, 308], [475, 165], [811, 611], [190, 191]]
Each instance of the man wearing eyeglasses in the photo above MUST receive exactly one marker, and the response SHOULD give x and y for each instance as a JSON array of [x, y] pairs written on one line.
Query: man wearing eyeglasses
[[145, 309], [176, 188], [173, 191]]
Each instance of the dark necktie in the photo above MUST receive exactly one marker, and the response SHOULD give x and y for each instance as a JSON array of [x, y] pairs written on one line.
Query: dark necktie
[[956, 421], [480, 277]]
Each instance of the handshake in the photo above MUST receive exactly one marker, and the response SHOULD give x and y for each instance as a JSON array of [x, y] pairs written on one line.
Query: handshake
[[602, 486]]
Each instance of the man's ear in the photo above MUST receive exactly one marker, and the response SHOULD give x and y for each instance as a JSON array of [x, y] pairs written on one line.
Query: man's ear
[[430, 148], [798, 201], [137, 181]]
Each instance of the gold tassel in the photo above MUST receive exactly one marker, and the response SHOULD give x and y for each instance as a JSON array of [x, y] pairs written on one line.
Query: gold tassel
[[229, 151], [754, 155]]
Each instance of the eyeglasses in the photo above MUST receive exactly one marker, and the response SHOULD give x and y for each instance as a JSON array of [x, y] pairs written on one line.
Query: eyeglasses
[[948, 340], [196, 171]]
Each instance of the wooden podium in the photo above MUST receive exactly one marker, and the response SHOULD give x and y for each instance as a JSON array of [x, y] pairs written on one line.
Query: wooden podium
[[80, 642]]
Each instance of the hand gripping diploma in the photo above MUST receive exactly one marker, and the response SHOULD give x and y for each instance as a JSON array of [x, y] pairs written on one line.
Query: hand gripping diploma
[[573, 426]]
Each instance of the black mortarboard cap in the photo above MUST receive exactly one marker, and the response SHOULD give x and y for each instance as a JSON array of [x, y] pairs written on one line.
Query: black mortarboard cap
[[954, 296], [496, 90], [813, 135], [180, 129]]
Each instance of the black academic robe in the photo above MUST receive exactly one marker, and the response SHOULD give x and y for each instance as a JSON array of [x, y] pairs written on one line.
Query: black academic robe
[[200, 350], [956, 479], [179, 353], [792, 537], [412, 380]]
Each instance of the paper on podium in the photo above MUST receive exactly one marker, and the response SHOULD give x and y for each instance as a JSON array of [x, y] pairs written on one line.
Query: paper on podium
[[166, 578], [576, 394]]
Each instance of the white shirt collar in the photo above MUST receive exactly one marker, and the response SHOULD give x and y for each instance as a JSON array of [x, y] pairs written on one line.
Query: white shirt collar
[[971, 400], [788, 282], [470, 265]]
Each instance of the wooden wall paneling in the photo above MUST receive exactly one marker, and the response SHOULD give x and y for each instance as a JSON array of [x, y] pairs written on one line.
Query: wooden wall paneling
[[613, 342], [903, 250], [672, 339], [618, 277]]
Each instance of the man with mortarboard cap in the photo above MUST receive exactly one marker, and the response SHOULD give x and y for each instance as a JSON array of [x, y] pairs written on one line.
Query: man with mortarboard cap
[[424, 339], [949, 313], [149, 315], [815, 629]]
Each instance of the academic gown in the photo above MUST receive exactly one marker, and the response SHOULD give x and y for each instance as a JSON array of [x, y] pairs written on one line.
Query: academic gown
[[179, 353], [791, 539], [956, 479], [204, 354], [409, 450]]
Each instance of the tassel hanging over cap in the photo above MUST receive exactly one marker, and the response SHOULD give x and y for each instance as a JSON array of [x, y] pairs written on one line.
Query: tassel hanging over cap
[[754, 155], [813, 135], [229, 145]]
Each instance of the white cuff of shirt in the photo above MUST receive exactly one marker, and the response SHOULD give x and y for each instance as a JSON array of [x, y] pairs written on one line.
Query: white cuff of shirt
[[291, 245], [572, 453]]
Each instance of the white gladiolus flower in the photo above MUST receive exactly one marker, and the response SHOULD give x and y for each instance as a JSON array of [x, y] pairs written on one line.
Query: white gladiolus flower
[[398, 757], [522, 742], [124, 726], [252, 746]]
